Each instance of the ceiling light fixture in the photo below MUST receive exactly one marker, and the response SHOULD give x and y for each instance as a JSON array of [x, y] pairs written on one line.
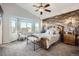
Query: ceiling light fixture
[[42, 8]]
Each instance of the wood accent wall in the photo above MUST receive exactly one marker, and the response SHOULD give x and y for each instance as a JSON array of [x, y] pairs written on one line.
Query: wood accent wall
[[63, 16]]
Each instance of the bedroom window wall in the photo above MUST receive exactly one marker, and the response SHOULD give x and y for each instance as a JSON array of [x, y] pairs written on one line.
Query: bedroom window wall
[[29, 26], [24, 26]]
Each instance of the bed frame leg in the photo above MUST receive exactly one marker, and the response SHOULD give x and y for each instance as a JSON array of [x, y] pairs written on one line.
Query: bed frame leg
[[34, 45]]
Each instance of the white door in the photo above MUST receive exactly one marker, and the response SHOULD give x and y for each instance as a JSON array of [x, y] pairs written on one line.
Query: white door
[[0, 30]]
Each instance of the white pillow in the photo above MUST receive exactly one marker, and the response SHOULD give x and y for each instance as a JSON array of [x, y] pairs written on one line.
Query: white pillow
[[47, 32]]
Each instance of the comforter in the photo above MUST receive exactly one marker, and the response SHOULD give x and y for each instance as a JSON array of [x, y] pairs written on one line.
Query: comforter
[[50, 38]]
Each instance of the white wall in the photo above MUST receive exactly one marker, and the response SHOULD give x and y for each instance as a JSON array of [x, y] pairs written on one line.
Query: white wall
[[11, 10]]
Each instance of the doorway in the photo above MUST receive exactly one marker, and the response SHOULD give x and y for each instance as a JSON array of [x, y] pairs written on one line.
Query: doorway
[[1, 16]]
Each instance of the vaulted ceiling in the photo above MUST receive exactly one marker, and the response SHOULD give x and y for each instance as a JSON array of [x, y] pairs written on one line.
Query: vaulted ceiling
[[56, 9]]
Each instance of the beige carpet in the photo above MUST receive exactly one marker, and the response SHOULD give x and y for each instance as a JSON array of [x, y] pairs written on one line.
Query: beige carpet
[[20, 48]]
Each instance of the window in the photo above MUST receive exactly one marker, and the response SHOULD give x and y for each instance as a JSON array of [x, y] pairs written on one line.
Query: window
[[36, 27], [13, 26], [23, 24], [29, 27], [23, 29]]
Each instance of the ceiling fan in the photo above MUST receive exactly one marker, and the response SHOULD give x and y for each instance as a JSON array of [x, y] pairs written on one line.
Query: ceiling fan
[[42, 8]]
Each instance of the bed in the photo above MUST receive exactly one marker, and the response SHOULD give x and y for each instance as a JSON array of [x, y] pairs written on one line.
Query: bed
[[47, 38]]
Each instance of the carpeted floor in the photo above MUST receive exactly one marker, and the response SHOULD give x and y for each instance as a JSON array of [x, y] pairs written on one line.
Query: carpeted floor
[[20, 48]]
